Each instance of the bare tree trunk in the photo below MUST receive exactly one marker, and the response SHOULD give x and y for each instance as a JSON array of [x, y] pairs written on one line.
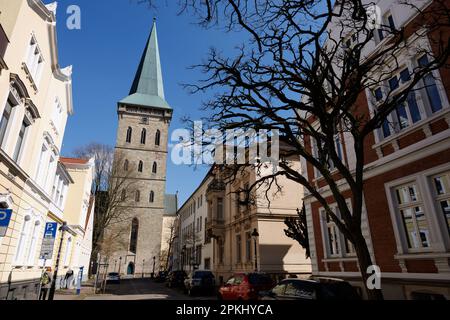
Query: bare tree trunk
[[365, 261]]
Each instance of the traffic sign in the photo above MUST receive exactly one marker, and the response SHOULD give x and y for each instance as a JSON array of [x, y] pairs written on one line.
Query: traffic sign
[[5, 218], [49, 240]]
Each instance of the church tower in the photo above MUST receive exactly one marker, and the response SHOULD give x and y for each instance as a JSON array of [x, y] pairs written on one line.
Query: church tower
[[141, 153]]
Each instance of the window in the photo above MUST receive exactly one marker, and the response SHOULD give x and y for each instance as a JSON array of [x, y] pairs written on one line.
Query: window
[[429, 83], [248, 246], [40, 168], [441, 185], [143, 136], [123, 195], [221, 251], [20, 140], [67, 252], [157, 138], [152, 197], [126, 165], [23, 240], [34, 238], [57, 115], [155, 167], [387, 27], [137, 197], [238, 248], [129, 134], [134, 235], [34, 60], [337, 245], [141, 166], [5, 121], [220, 209], [412, 215]]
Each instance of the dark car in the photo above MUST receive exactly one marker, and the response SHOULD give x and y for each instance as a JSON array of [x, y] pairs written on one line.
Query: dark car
[[200, 281], [313, 289], [175, 279], [113, 277], [161, 277], [245, 286]]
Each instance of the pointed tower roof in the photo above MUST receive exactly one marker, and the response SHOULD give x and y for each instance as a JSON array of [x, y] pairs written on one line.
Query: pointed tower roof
[[148, 88]]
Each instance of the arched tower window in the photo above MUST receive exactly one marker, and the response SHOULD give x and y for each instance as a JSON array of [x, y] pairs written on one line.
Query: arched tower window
[[158, 138], [155, 167], [126, 165], [152, 197], [143, 136], [138, 196], [141, 166], [134, 235], [129, 133]]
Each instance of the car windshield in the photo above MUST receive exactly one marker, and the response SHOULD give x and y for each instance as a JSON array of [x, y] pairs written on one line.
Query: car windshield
[[259, 279], [113, 274]]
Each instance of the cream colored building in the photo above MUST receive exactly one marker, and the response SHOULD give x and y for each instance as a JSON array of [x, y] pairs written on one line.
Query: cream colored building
[[79, 215], [222, 228], [35, 102]]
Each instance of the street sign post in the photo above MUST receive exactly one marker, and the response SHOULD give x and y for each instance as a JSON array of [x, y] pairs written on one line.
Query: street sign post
[[48, 242], [5, 218]]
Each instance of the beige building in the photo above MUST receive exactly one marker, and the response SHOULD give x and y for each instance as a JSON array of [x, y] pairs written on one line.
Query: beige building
[[217, 229], [35, 102], [79, 215]]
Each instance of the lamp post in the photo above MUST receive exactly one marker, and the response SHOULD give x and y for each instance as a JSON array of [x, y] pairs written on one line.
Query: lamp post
[[115, 265], [183, 251], [63, 229], [143, 264], [120, 264], [255, 236], [153, 273]]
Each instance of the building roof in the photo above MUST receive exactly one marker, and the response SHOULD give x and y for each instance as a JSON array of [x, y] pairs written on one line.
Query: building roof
[[73, 160], [148, 88], [170, 204]]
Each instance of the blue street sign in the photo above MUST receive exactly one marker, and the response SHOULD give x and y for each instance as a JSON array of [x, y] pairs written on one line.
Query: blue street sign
[[5, 218], [49, 240]]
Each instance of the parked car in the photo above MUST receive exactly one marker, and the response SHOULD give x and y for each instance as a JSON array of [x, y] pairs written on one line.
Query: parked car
[[245, 286], [200, 281], [313, 289], [113, 277], [161, 277], [175, 279]]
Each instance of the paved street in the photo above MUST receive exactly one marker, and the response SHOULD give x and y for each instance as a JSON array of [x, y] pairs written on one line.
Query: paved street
[[134, 289]]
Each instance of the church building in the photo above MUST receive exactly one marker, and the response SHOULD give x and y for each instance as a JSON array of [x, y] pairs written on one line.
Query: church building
[[141, 153]]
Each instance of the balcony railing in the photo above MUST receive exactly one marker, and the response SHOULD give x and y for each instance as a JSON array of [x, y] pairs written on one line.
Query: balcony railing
[[216, 186]]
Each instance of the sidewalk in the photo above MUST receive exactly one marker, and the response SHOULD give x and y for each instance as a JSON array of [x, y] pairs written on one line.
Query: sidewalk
[[87, 289]]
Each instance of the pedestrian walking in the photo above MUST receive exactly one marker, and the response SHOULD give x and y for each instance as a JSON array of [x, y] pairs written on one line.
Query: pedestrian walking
[[46, 281], [68, 277]]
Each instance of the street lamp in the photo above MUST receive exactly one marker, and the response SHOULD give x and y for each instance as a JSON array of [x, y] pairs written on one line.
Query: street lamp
[[120, 264], [183, 251], [255, 236], [63, 229], [143, 264], [153, 273], [115, 265]]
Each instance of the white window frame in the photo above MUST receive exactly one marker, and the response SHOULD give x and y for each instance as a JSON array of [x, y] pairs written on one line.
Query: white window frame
[[35, 236], [34, 60], [439, 240], [22, 243]]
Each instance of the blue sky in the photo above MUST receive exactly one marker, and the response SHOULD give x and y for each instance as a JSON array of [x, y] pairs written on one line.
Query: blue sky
[[105, 54]]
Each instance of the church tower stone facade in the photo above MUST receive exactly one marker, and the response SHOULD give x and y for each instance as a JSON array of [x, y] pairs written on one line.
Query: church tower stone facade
[[141, 148]]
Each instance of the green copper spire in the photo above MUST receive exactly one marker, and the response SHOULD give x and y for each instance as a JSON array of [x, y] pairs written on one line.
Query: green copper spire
[[148, 88]]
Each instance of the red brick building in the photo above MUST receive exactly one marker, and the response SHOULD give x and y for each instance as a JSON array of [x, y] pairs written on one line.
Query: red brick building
[[406, 219]]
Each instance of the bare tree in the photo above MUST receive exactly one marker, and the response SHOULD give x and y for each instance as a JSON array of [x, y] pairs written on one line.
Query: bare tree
[[302, 76], [170, 240], [298, 230], [114, 188]]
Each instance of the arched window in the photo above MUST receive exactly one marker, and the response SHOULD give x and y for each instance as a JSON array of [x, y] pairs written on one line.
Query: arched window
[[34, 238], [134, 235], [152, 197], [129, 133], [125, 165], [141, 166], [143, 136], [155, 167], [67, 252], [138, 196], [124, 195], [23, 240], [158, 138]]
